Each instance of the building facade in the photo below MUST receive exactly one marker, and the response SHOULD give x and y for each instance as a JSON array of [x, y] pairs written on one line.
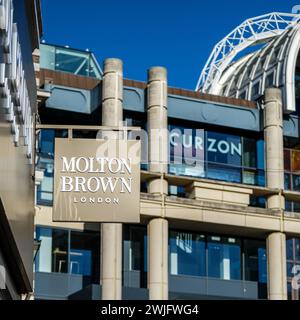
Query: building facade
[[219, 183], [20, 29]]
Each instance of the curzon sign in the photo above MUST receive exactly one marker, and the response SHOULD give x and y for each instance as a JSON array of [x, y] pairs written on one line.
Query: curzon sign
[[97, 181]]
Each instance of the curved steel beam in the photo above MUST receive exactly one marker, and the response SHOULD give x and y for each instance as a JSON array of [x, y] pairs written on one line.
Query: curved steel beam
[[252, 31]]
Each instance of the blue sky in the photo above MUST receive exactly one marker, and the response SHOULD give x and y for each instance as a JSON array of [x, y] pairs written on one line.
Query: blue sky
[[178, 35]]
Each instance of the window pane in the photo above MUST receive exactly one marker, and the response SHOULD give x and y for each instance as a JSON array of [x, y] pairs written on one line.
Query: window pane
[[85, 253], [249, 153], [187, 254], [295, 161], [297, 249], [249, 177], [59, 251], [287, 160], [138, 249], [43, 261], [296, 183], [287, 181], [289, 249], [224, 173], [290, 266], [260, 154], [224, 148], [72, 61], [224, 258], [296, 207], [262, 265]]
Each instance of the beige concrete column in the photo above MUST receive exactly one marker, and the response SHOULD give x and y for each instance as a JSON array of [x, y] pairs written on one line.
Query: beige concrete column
[[158, 162], [111, 233], [276, 242], [157, 112], [273, 128], [277, 273], [158, 259]]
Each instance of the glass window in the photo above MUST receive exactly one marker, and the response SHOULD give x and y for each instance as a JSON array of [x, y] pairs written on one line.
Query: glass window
[[287, 160], [187, 170], [45, 189], [297, 249], [255, 90], [43, 261], [290, 266], [224, 173], [260, 154], [249, 177], [66, 251], [269, 80], [224, 258], [249, 153], [255, 261], [224, 148], [287, 181], [262, 265], [187, 151], [296, 183], [295, 160], [60, 251], [187, 254], [289, 249], [47, 142], [75, 62], [47, 60], [85, 253], [296, 207], [138, 249]]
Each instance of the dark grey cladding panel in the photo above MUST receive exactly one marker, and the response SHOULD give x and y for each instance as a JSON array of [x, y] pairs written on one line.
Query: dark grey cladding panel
[[207, 112], [195, 110], [216, 114], [134, 99], [291, 126]]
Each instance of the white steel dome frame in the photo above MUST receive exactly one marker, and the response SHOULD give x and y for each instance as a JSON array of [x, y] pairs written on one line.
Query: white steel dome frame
[[251, 32]]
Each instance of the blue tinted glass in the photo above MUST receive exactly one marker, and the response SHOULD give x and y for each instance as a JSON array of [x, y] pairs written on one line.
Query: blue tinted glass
[[47, 141], [296, 206], [287, 181], [262, 265], [261, 179], [145, 253], [289, 249], [288, 206], [224, 260], [80, 262], [260, 154], [43, 260], [296, 183], [187, 170], [289, 268], [249, 153], [297, 249], [249, 177], [72, 61], [186, 145], [187, 254], [45, 189], [224, 173], [224, 148]]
